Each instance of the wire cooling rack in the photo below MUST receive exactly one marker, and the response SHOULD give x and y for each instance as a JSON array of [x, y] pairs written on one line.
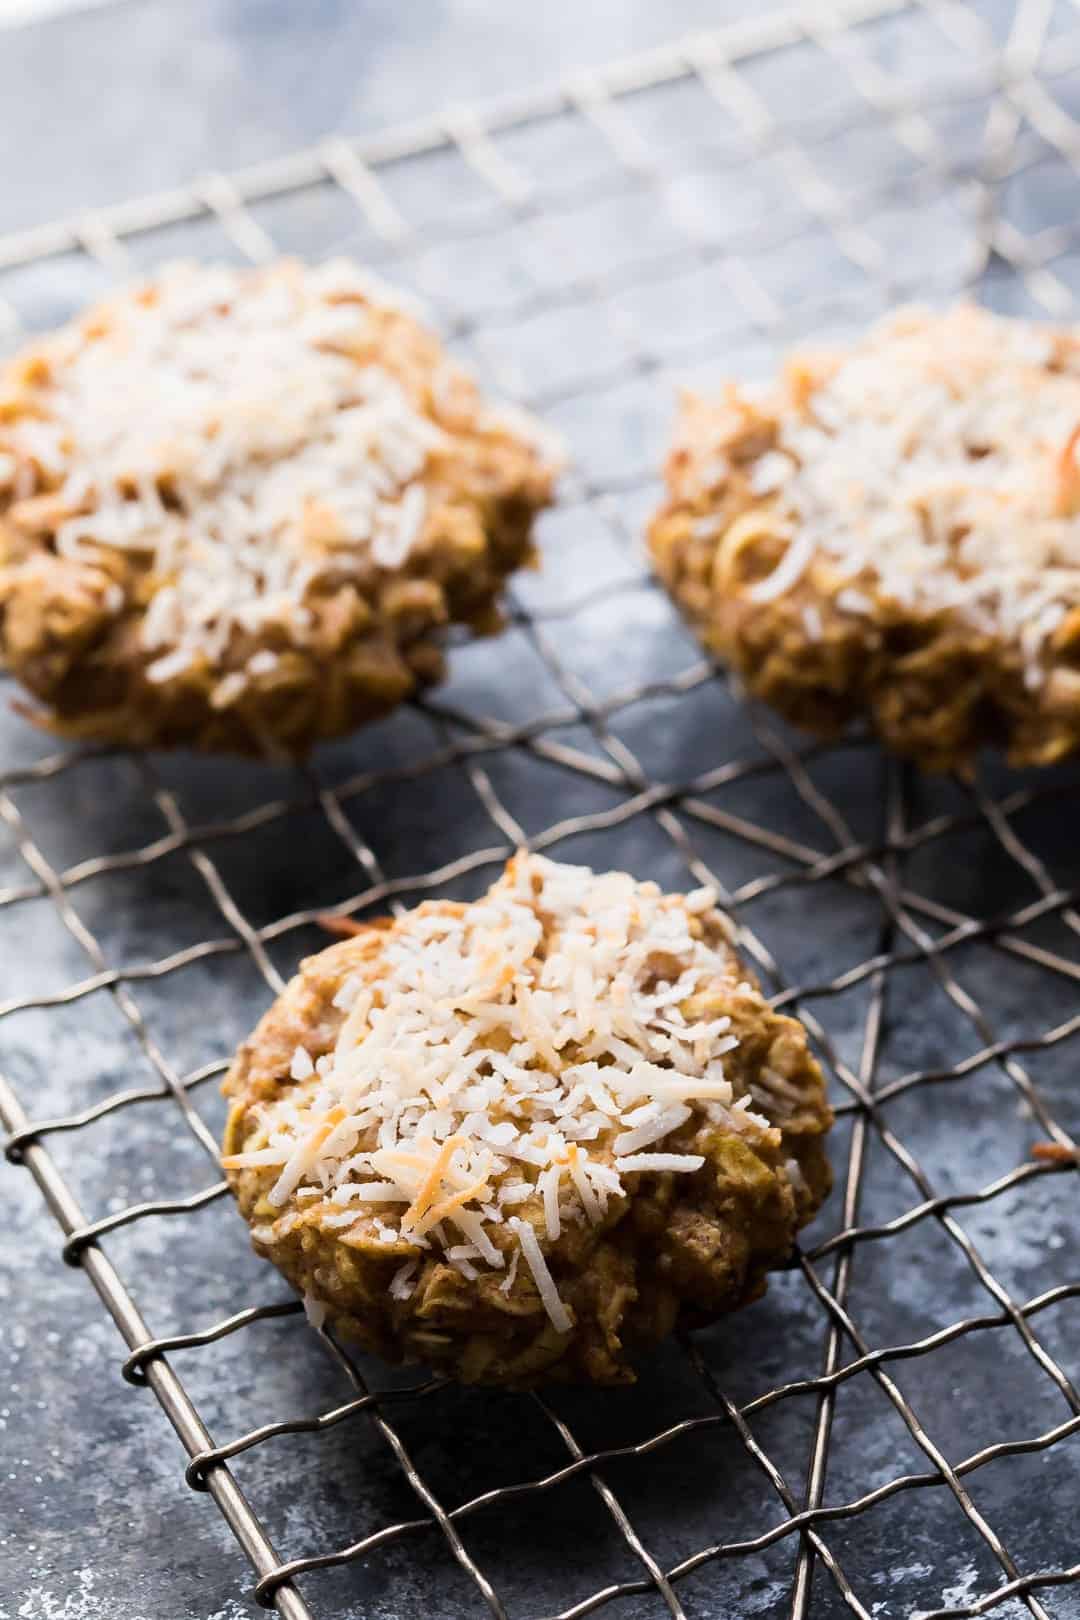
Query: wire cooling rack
[[896, 1427]]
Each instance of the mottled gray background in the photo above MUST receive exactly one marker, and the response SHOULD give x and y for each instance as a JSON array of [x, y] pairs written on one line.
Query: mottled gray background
[[95, 1521]]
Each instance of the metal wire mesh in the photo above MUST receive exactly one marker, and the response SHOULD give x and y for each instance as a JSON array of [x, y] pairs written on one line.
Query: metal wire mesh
[[664, 220]]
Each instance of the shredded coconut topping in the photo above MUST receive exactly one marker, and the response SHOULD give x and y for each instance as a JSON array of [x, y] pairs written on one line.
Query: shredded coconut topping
[[939, 455], [234, 427], [507, 1064]]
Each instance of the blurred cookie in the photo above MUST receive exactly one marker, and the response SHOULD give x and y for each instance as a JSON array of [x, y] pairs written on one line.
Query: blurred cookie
[[237, 507], [893, 530]]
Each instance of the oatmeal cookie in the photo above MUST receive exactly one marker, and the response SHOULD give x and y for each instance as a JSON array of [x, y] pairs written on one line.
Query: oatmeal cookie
[[520, 1138], [237, 507], [894, 530]]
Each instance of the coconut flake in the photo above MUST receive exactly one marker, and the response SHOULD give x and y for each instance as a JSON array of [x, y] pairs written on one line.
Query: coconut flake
[[549, 1186], [660, 1123], [545, 1283], [788, 571], [511, 1274], [315, 1311], [228, 689], [402, 1283], [662, 1161], [301, 1065]]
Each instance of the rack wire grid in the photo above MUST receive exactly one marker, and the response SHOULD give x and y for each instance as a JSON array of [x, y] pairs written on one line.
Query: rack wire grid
[[896, 1426]]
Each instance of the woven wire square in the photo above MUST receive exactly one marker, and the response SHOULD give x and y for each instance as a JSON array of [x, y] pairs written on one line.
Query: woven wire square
[[897, 1426]]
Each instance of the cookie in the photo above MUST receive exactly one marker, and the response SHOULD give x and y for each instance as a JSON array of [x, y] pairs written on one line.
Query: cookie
[[238, 507], [892, 531], [520, 1139]]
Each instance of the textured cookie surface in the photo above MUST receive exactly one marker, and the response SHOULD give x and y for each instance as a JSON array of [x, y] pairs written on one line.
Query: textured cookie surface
[[237, 507], [518, 1138], [894, 530]]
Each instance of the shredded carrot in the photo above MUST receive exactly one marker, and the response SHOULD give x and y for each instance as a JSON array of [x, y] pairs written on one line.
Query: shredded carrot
[[411, 1161], [431, 1183], [330, 1121], [1068, 477], [439, 1212], [1055, 1153], [344, 927]]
